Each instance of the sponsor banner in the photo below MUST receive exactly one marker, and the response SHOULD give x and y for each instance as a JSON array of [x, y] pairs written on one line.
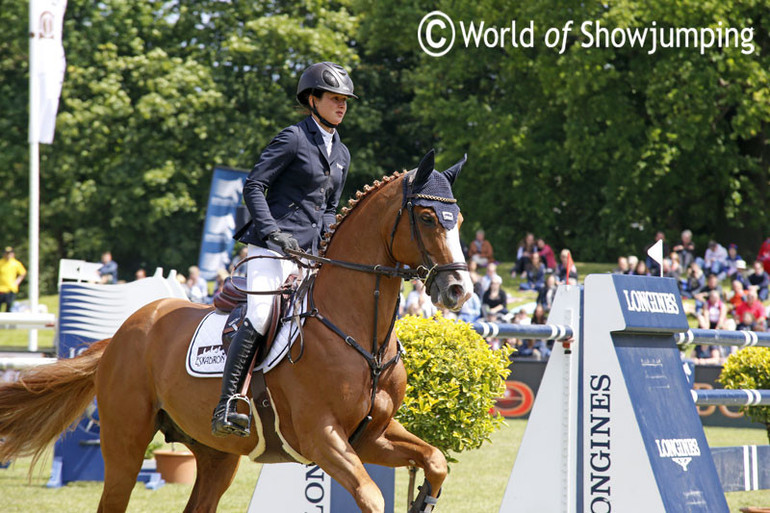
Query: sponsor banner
[[217, 244], [650, 304], [524, 381]]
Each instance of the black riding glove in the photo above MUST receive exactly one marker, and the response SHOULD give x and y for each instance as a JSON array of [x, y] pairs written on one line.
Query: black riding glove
[[284, 241]]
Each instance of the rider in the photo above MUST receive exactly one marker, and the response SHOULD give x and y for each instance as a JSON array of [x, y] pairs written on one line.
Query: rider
[[303, 170]]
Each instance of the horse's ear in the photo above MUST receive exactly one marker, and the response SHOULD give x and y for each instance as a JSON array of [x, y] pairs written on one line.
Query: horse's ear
[[453, 171], [424, 170]]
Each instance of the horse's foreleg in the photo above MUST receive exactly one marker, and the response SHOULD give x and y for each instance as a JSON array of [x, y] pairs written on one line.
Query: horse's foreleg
[[216, 471], [397, 447], [336, 457]]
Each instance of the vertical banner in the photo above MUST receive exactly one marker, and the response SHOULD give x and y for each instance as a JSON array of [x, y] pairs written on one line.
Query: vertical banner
[[46, 66], [224, 197]]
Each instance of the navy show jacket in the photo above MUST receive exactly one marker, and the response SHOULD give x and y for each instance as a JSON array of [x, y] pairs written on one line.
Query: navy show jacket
[[295, 187]]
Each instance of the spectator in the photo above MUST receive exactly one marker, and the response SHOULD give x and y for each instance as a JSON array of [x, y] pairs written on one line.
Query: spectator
[[714, 312], [109, 269], [622, 267], [737, 295], [686, 249], [546, 255], [494, 304], [676, 265], [562, 272], [418, 301], [693, 282], [740, 274], [524, 254], [235, 269], [219, 284], [491, 274], [715, 259], [732, 260], [478, 287], [753, 305], [652, 266], [546, 296], [12, 273], [534, 275], [668, 268], [706, 355], [140, 274], [641, 269], [764, 255], [541, 348], [197, 288], [712, 283], [748, 323], [480, 250], [759, 278], [632, 261], [471, 309]]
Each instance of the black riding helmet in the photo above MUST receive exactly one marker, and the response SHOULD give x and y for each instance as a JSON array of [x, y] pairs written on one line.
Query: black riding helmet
[[324, 76]]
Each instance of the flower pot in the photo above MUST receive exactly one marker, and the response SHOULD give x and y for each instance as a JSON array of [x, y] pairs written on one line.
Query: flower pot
[[175, 466]]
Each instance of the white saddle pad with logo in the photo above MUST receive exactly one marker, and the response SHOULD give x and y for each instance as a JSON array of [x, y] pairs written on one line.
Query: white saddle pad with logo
[[206, 356]]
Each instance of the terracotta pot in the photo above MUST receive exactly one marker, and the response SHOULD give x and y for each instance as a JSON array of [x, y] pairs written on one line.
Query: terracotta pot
[[175, 466]]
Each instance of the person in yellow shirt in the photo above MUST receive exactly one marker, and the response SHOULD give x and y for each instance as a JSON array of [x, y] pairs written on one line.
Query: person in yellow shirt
[[12, 272]]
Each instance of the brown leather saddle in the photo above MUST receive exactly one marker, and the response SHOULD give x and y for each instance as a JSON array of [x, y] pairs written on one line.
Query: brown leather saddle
[[232, 299]]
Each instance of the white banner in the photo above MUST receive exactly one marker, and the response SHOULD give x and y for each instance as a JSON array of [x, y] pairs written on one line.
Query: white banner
[[46, 66]]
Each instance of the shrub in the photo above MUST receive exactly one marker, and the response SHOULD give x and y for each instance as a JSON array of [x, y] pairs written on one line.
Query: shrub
[[453, 379], [749, 368]]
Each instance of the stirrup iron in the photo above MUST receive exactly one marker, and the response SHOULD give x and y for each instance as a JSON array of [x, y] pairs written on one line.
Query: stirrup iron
[[424, 503]]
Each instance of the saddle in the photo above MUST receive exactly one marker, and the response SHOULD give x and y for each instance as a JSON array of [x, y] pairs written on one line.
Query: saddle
[[231, 299]]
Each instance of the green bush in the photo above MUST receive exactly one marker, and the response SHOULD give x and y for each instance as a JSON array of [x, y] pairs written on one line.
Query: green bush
[[453, 379], [749, 368]]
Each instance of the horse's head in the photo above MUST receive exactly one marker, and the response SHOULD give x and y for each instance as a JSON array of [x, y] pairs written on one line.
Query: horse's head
[[429, 237]]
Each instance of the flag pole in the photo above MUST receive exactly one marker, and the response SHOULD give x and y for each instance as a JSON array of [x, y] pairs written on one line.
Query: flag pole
[[34, 179]]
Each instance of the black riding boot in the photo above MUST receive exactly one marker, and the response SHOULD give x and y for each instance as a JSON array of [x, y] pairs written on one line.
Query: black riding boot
[[226, 419]]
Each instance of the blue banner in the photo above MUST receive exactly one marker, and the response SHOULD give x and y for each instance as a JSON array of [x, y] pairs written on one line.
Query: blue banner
[[217, 243]]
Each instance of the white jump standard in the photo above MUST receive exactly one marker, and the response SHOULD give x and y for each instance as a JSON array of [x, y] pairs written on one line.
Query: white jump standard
[[614, 427]]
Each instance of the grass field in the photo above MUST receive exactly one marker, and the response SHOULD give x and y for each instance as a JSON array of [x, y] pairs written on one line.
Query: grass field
[[475, 485]]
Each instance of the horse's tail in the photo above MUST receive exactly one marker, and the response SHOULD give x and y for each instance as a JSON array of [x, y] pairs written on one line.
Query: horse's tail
[[45, 401]]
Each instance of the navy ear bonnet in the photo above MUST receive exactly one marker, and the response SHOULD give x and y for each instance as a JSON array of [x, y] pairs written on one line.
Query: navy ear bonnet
[[429, 188]]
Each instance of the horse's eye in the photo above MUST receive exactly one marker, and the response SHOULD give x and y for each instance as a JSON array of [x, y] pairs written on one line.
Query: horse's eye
[[427, 219]]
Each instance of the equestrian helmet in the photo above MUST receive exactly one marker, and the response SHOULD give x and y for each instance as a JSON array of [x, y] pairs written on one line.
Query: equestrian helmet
[[324, 76]]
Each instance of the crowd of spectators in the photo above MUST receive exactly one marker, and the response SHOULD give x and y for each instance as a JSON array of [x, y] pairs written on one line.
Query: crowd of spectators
[[719, 290], [536, 269]]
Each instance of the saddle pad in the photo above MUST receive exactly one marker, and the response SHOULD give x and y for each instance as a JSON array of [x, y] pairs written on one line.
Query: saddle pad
[[206, 357]]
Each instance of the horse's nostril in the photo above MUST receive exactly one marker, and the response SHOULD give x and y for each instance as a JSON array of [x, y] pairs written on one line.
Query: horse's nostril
[[456, 291]]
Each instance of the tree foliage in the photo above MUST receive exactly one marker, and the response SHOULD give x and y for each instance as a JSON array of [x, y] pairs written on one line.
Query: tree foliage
[[595, 149]]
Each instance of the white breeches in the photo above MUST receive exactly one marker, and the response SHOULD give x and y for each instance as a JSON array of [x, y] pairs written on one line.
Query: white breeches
[[264, 274]]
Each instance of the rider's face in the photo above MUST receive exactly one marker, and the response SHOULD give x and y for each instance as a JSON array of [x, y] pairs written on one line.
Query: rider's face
[[331, 107]]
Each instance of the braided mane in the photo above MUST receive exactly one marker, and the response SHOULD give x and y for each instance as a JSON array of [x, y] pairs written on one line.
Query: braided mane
[[352, 203]]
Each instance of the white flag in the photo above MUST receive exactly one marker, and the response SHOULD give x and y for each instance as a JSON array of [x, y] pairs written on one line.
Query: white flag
[[46, 66], [656, 253]]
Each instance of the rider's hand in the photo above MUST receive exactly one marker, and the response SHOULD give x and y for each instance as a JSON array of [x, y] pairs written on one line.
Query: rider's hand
[[284, 241]]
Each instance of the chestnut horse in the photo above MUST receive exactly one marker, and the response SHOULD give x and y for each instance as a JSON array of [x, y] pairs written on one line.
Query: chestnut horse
[[320, 399]]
